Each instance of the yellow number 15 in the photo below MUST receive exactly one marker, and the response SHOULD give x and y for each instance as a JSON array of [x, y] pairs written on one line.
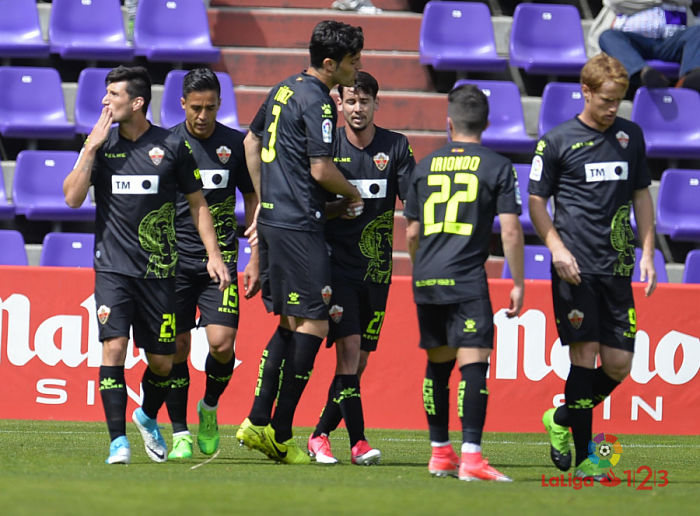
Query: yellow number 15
[[468, 194]]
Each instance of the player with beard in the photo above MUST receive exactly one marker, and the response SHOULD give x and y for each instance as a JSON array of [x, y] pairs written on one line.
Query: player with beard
[[378, 162]]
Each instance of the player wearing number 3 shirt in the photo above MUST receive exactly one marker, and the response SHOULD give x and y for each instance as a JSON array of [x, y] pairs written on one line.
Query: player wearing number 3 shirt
[[594, 166], [289, 151], [454, 194], [137, 169]]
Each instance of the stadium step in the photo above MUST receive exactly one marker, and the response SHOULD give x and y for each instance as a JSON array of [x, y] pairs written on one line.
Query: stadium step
[[290, 28], [260, 66], [386, 5]]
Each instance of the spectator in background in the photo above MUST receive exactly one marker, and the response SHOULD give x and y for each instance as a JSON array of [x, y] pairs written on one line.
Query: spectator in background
[[635, 32]]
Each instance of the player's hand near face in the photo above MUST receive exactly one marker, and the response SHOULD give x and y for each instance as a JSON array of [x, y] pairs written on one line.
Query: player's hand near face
[[99, 133], [566, 265]]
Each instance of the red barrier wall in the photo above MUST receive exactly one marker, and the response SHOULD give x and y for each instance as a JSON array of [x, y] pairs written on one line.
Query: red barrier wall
[[49, 355]]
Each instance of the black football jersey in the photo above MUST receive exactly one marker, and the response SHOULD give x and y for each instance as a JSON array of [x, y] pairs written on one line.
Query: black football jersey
[[296, 122], [135, 192], [455, 193], [222, 166], [592, 176], [361, 248]]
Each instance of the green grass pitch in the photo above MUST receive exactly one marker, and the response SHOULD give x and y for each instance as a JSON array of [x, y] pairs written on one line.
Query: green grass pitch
[[57, 468]]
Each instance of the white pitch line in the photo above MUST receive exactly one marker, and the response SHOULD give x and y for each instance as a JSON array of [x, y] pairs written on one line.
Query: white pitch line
[[208, 460]]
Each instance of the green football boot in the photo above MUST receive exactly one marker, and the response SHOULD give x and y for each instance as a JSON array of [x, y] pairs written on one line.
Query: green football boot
[[182, 446], [208, 434], [252, 436], [287, 452], [589, 470], [559, 436]]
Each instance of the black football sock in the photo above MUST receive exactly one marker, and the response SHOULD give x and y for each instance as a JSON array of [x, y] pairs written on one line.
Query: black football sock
[[436, 399], [269, 376], [176, 400], [297, 370], [472, 399], [579, 405], [350, 402], [218, 377], [603, 385], [155, 389], [113, 394], [331, 416]]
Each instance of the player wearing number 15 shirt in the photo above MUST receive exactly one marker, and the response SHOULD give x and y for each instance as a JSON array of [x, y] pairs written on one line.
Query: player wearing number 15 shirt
[[454, 194]]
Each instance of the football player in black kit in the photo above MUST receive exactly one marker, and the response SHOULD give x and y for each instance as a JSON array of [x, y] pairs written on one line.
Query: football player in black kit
[[454, 194], [289, 151], [379, 162], [220, 156], [595, 167], [137, 169]]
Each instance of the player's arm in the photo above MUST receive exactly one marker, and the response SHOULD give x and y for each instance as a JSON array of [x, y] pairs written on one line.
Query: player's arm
[[513, 244], [253, 148], [201, 216], [564, 262], [412, 237], [644, 213], [77, 182], [324, 171], [251, 273]]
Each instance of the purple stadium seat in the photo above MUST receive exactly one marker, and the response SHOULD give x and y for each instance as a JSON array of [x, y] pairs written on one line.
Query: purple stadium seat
[[678, 206], [88, 29], [20, 31], [37, 189], [67, 250], [173, 30], [31, 104], [691, 272], [668, 68], [88, 99], [243, 253], [171, 112], [537, 262], [7, 210], [458, 36], [506, 131], [659, 266], [12, 245], [669, 118], [561, 101], [547, 39]]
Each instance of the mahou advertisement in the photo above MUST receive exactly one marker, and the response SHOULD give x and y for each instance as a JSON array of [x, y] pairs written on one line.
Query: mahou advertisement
[[50, 355]]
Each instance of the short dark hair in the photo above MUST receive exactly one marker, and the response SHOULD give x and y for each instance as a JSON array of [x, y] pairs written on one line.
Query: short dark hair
[[138, 82], [200, 79], [468, 108], [335, 40], [364, 82]]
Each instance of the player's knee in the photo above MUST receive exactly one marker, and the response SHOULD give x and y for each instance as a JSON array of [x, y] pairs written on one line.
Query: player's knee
[[619, 371]]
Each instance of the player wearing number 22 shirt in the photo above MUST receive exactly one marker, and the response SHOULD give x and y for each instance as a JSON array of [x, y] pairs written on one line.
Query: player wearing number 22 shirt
[[454, 194]]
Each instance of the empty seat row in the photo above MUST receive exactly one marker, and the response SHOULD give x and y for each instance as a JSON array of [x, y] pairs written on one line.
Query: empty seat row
[[32, 104], [37, 189], [545, 39], [62, 249], [668, 116], [164, 30]]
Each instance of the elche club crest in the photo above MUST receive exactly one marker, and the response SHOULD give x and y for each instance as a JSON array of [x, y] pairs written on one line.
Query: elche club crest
[[103, 314], [623, 139], [336, 313], [156, 154], [326, 293], [575, 318], [224, 154], [381, 160]]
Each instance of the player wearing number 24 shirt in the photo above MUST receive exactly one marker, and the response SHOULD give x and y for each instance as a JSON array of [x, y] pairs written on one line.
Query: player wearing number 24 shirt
[[454, 194], [137, 169]]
